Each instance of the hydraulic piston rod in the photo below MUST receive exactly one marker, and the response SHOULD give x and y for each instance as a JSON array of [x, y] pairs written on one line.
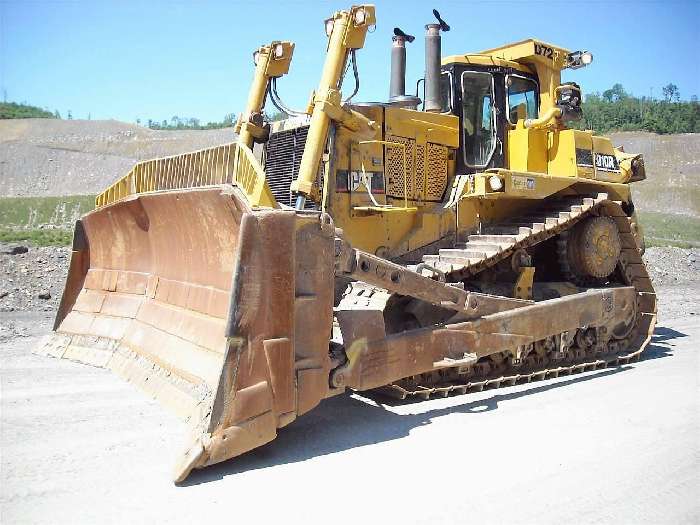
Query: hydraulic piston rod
[[271, 61], [347, 31]]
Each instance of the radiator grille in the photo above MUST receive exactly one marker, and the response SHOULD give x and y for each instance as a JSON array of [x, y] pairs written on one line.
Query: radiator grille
[[283, 152]]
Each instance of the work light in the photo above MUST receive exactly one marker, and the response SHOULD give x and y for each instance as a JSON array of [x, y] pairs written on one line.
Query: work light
[[579, 59], [496, 183]]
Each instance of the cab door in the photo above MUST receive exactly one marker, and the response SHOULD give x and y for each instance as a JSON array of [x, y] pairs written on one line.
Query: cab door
[[481, 121]]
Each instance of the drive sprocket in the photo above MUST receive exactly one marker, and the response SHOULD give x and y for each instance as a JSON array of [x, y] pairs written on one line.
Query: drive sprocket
[[589, 253]]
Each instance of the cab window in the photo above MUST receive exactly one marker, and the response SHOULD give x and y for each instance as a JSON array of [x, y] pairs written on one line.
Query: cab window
[[478, 118], [522, 98]]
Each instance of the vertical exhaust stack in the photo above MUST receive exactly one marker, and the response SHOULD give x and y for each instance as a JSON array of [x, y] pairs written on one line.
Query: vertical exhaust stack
[[433, 56], [397, 85]]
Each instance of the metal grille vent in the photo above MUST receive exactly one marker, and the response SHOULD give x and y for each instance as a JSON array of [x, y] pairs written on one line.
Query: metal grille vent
[[426, 170], [420, 171], [437, 170], [394, 167], [283, 152]]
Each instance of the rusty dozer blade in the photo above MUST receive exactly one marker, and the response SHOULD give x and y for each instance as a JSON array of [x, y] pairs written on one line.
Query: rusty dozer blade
[[221, 312]]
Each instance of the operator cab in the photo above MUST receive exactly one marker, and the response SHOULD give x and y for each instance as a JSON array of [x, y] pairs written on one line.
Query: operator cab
[[491, 91], [489, 100]]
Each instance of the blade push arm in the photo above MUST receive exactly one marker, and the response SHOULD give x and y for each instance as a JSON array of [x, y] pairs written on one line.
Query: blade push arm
[[362, 266]]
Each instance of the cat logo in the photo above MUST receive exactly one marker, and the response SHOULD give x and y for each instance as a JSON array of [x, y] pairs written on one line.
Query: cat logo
[[358, 178]]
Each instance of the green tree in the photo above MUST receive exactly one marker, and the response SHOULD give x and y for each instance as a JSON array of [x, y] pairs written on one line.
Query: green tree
[[11, 110], [615, 93], [617, 110], [671, 93]]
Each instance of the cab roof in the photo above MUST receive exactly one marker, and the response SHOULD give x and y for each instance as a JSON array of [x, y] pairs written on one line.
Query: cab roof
[[517, 55], [484, 60]]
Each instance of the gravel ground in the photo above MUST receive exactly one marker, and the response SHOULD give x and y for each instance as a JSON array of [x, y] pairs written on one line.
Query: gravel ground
[[669, 265], [31, 280], [612, 446], [28, 276]]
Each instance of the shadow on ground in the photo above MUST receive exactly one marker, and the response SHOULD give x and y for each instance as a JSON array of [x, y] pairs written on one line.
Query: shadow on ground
[[345, 422]]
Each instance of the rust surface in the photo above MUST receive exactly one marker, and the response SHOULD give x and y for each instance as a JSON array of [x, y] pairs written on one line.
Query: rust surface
[[224, 314], [221, 312]]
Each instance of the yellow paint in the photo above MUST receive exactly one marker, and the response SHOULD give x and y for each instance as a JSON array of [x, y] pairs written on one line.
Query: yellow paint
[[562, 153], [547, 60], [423, 126], [523, 285], [270, 64], [412, 152], [346, 35], [527, 150], [485, 60], [228, 164]]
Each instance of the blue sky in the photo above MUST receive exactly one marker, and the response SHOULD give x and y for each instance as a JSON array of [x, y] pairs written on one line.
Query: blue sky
[[155, 59]]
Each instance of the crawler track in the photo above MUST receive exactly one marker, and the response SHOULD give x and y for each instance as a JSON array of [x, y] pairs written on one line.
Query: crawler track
[[497, 243]]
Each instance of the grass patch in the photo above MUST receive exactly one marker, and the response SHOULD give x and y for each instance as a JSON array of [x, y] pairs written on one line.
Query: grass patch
[[21, 218], [665, 243], [38, 237], [30, 212], [667, 229]]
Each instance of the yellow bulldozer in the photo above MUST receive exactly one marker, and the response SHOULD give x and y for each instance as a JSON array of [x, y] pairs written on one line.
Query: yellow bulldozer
[[459, 239]]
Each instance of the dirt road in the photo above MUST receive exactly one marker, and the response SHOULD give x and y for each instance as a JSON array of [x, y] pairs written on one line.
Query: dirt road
[[616, 446]]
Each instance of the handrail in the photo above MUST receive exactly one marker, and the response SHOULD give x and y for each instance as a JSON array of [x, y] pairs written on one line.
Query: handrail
[[226, 164], [545, 120]]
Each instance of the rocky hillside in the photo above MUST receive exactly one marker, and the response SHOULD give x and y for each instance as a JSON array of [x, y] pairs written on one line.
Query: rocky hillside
[[42, 157], [673, 171]]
